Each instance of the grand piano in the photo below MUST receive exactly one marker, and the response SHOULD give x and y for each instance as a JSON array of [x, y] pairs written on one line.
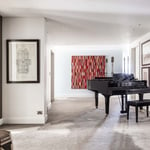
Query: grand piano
[[118, 84]]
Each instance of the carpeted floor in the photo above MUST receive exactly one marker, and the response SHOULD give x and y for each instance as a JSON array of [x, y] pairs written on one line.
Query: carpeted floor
[[76, 125]]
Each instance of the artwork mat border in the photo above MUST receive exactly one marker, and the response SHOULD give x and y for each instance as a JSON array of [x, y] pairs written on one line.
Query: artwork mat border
[[142, 52], [37, 59]]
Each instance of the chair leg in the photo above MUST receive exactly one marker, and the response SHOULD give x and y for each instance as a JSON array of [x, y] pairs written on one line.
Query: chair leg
[[7, 146], [136, 112], [147, 110], [128, 109]]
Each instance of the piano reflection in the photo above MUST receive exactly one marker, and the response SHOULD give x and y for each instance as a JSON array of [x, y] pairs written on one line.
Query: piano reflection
[[118, 84]]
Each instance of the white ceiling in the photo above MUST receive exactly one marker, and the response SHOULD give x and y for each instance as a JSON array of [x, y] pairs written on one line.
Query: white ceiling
[[115, 21]]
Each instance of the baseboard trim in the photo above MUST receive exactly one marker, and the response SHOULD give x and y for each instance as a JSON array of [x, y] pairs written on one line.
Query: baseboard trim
[[49, 105], [77, 97], [46, 118], [25, 120], [85, 97], [1, 121]]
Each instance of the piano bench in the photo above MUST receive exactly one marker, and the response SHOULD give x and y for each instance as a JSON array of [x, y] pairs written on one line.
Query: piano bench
[[136, 104]]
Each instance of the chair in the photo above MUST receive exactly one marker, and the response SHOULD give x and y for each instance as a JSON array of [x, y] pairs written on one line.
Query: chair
[[5, 140]]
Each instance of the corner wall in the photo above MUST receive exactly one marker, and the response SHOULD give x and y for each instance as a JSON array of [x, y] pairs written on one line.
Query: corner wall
[[22, 101]]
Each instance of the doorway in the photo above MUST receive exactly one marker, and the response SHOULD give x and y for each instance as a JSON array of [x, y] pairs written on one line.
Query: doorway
[[52, 76], [133, 60]]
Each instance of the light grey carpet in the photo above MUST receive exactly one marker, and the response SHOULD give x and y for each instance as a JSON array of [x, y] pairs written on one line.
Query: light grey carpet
[[77, 125]]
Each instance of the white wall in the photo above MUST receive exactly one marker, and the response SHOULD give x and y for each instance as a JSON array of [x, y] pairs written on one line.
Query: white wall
[[62, 63], [22, 101], [66, 40]]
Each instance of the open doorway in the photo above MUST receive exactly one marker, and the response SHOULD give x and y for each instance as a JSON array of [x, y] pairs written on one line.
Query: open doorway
[[52, 76], [134, 66], [133, 61]]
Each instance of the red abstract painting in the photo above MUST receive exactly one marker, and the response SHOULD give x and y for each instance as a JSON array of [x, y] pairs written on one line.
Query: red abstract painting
[[84, 68]]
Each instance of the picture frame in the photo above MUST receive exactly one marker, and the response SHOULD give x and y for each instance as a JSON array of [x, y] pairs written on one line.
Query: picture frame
[[23, 61], [145, 53], [146, 74]]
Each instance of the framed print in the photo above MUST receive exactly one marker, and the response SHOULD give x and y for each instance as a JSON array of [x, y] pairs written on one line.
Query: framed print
[[145, 75], [23, 61], [145, 53]]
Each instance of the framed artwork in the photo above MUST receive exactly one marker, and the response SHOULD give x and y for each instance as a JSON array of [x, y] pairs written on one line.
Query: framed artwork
[[23, 61], [84, 68], [146, 74], [145, 53]]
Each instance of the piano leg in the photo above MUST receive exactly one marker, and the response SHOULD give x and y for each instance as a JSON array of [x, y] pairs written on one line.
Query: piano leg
[[141, 99], [96, 99], [126, 99], [123, 103], [107, 104]]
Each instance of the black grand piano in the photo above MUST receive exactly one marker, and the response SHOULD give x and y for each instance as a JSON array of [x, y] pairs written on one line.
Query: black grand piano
[[118, 84]]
